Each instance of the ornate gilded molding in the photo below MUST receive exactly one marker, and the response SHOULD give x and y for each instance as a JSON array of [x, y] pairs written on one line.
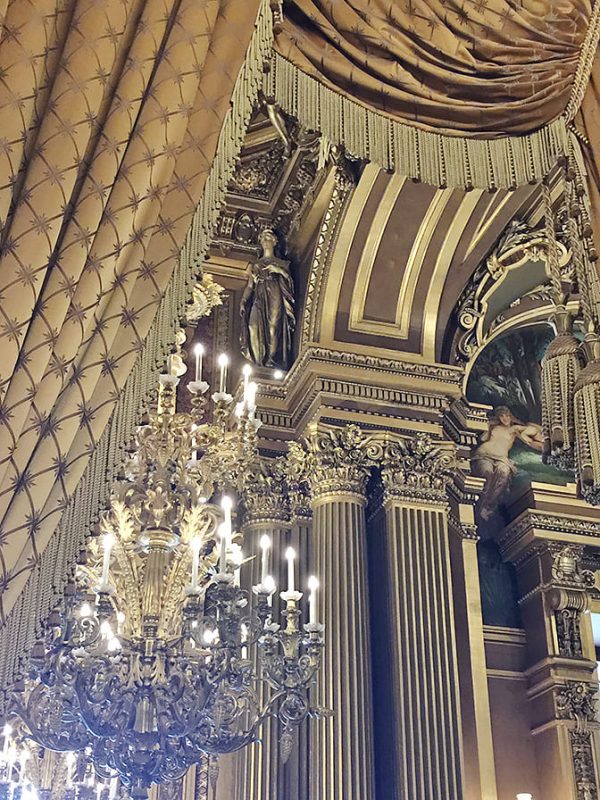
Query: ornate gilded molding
[[416, 469], [518, 245], [324, 248], [575, 700], [206, 295], [566, 569], [293, 467], [583, 765], [554, 523], [568, 597]]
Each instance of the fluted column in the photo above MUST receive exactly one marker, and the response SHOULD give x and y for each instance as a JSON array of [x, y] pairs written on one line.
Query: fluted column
[[259, 773], [341, 747], [423, 673]]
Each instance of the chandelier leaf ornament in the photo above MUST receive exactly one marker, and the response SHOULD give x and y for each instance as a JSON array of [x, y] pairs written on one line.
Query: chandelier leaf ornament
[[157, 657]]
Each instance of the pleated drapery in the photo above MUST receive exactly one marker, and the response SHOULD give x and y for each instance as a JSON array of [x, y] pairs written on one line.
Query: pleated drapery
[[121, 123]]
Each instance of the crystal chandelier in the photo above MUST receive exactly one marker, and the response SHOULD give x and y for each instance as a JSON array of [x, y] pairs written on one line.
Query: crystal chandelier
[[157, 657]]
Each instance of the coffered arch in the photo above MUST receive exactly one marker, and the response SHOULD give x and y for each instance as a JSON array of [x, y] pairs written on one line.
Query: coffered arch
[[391, 273]]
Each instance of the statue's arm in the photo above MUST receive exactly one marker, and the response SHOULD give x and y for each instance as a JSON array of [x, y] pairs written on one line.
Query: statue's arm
[[247, 294]]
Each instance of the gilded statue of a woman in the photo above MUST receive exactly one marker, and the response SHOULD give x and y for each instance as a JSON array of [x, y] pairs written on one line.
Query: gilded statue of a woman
[[267, 308]]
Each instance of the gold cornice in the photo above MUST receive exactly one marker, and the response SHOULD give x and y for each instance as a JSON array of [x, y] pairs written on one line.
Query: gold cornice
[[388, 391]]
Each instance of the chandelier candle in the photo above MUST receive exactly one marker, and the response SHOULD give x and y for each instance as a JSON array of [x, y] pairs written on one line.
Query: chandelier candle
[[223, 554], [246, 372], [227, 505], [199, 352], [290, 554], [265, 546], [107, 542], [223, 362], [313, 585]]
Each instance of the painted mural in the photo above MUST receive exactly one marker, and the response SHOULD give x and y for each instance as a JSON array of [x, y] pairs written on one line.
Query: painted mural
[[507, 378]]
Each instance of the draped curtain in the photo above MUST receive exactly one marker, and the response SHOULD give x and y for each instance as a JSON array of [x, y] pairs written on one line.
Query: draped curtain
[[477, 93], [120, 125], [481, 66]]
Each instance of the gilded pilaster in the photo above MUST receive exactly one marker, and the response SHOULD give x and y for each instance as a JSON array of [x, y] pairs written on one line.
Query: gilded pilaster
[[341, 747], [554, 591], [479, 776], [423, 673]]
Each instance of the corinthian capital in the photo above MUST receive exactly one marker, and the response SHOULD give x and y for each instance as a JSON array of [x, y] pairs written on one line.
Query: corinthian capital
[[417, 468], [264, 495], [337, 462]]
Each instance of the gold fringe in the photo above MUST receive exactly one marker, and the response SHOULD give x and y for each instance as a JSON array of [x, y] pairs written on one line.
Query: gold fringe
[[434, 158], [585, 63], [45, 585]]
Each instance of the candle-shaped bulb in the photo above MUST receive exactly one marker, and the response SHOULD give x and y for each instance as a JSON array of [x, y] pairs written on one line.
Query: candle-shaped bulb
[[290, 554], [107, 542], [195, 545], [270, 586], [224, 536], [251, 396], [223, 362], [313, 585], [85, 610], [227, 505], [198, 353], [265, 546]]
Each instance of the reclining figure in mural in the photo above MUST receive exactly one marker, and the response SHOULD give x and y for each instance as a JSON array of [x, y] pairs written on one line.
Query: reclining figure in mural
[[491, 458], [267, 308]]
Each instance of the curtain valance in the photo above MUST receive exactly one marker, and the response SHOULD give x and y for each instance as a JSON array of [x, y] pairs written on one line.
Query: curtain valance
[[452, 93]]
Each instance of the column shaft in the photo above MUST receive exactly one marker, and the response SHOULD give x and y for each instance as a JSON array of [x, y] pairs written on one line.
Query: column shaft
[[423, 675], [342, 746]]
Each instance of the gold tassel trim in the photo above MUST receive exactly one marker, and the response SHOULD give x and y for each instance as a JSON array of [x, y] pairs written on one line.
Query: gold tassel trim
[[435, 158], [561, 366], [45, 585], [587, 423]]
